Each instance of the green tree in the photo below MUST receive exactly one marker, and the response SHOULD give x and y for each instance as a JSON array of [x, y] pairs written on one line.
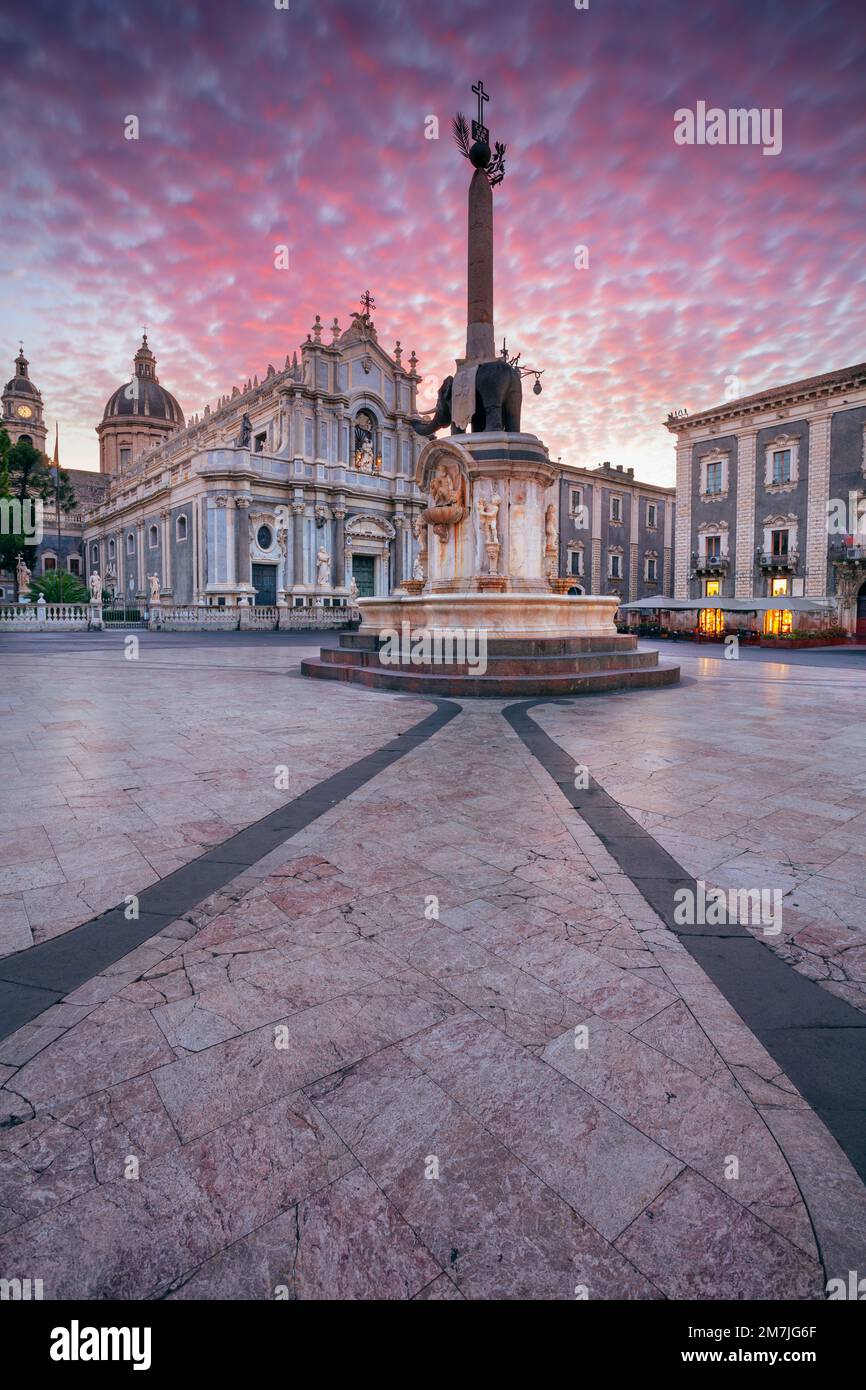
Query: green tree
[[29, 476], [57, 587]]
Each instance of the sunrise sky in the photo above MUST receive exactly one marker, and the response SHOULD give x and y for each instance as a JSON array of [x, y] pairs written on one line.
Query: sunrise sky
[[305, 126]]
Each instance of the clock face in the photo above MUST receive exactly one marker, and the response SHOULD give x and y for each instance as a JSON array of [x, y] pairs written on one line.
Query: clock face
[[25, 412]]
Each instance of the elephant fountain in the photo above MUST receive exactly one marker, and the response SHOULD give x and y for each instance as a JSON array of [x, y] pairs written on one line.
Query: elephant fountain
[[495, 403]]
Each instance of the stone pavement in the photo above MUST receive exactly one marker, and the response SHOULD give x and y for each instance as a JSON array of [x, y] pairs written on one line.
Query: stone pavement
[[436, 1044]]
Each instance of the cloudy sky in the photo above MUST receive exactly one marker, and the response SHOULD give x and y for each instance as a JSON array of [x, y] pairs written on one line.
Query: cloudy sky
[[305, 126]]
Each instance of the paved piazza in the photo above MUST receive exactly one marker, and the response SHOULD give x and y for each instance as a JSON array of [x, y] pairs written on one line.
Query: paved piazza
[[424, 1030]]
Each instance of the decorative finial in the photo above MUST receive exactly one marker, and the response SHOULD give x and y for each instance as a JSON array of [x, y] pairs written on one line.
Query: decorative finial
[[413, 361], [398, 352], [317, 329], [335, 329], [367, 303]]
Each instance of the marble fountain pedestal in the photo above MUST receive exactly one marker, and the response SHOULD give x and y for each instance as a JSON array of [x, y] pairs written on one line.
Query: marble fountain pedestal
[[487, 620]]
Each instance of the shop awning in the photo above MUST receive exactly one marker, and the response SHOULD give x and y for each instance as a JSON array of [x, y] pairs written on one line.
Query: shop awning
[[787, 603]]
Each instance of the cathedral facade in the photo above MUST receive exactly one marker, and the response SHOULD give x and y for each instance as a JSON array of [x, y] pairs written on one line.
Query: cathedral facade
[[297, 490]]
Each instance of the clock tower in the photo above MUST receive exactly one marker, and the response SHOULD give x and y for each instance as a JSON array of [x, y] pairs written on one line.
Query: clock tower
[[22, 416]]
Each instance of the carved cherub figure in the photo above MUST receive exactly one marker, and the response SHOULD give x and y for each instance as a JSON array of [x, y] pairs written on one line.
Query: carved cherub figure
[[489, 513]]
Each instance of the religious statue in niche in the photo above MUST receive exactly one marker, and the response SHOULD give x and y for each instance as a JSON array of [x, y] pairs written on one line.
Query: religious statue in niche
[[366, 458], [447, 505], [246, 433], [323, 568]]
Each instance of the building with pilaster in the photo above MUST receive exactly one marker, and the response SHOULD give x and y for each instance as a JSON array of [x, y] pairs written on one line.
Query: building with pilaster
[[770, 497], [288, 491], [616, 534]]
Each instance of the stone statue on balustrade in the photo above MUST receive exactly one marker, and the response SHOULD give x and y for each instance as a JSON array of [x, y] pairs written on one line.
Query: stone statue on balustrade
[[153, 581], [22, 574], [96, 587]]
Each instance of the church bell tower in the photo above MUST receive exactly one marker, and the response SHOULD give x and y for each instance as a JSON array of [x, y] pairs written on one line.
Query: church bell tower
[[23, 413]]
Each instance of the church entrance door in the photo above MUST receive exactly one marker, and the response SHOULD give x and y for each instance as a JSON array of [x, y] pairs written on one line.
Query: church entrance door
[[265, 585], [363, 570]]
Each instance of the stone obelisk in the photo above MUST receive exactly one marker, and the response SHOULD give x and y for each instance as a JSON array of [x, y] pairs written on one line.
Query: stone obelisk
[[480, 339]]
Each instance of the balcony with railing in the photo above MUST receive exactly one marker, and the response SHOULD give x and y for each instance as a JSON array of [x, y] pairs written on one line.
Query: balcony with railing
[[850, 550], [778, 561], [710, 564]]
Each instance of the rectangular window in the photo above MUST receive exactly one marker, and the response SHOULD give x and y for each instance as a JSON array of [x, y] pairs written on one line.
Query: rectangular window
[[616, 509], [125, 457], [651, 515], [49, 563], [616, 566], [714, 547], [308, 438], [575, 499], [778, 586], [259, 442], [782, 466], [714, 477], [575, 562], [407, 457], [779, 543], [714, 588], [651, 569]]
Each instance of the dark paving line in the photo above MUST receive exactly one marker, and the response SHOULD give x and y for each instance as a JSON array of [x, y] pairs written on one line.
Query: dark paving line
[[818, 1040], [33, 979]]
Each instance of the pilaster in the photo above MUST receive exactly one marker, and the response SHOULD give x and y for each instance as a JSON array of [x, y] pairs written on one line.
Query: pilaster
[[817, 497], [744, 562]]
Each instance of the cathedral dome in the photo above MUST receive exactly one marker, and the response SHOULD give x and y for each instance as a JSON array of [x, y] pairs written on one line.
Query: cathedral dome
[[143, 396]]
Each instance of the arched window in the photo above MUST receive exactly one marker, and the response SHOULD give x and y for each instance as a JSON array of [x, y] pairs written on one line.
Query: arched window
[[111, 549], [74, 564], [153, 538], [94, 555], [180, 528], [130, 543]]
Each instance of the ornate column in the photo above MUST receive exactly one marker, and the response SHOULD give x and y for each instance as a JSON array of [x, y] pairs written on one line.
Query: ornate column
[[243, 558], [165, 520], [744, 564], [397, 567], [816, 505], [298, 542], [339, 547], [139, 555]]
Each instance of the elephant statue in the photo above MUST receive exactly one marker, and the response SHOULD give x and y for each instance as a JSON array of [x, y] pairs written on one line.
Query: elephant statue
[[498, 401]]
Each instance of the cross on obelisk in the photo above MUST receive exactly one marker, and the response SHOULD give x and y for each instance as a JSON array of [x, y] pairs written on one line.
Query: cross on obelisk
[[480, 337], [479, 129]]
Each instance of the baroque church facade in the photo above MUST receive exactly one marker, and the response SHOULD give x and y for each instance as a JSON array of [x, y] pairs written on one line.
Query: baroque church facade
[[298, 490]]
